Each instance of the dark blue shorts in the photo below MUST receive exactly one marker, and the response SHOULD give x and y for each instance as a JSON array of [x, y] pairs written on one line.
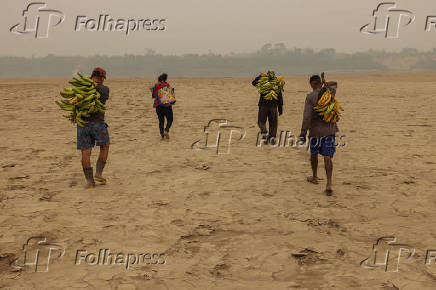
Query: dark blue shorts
[[326, 146], [93, 134]]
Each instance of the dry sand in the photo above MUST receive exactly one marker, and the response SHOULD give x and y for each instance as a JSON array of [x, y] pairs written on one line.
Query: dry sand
[[223, 221]]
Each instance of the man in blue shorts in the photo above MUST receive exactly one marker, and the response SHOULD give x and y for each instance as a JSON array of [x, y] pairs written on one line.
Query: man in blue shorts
[[94, 133], [321, 134]]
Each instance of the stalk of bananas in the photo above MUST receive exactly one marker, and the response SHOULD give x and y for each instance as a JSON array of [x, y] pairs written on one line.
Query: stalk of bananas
[[328, 108], [270, 86], [81, 101]]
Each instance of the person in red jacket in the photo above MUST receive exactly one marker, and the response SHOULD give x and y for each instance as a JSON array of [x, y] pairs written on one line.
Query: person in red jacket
[[163, 96]]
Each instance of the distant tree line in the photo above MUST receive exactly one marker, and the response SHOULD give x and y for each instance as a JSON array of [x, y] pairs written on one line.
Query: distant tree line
[[270, 57]]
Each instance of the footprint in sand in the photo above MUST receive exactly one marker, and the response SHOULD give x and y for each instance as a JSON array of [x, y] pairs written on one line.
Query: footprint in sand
[[9, 166], [16, 187], [159, 203], [47, 196], [178, 222], [220, 270], [19, 177], [308, 257]]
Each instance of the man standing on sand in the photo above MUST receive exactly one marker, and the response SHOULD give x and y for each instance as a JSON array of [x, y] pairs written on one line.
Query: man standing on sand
[[321, 134], [94, 133], [269, 110]]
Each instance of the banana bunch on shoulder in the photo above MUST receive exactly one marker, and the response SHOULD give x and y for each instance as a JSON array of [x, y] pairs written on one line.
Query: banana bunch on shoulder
[[81, 101], [328, 108], [270, 86]]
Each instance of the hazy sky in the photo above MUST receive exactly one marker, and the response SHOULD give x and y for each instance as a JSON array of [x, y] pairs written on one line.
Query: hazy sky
[[202, 26]]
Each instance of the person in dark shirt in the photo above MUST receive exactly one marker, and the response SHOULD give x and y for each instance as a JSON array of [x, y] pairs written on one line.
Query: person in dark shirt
[[322, 135], [269, 110], [163, 111], [94, 133]]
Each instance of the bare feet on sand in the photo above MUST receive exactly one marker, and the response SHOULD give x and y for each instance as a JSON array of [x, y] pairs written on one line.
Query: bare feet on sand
[[329, 190], [312, 179], [89, 186]]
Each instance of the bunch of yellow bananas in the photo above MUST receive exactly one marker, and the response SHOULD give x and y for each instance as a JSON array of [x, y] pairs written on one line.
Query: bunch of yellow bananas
[[81, 101], [270, 86], [329, 108]]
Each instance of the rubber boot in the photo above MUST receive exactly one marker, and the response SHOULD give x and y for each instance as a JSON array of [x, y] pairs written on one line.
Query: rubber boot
[[89, 177]]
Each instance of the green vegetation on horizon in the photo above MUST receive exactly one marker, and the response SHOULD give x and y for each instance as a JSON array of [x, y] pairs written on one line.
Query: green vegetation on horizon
[[276, 57]]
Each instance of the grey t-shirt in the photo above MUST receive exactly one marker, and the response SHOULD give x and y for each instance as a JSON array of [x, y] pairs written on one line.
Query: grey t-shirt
[[104, 96], [311, 120]]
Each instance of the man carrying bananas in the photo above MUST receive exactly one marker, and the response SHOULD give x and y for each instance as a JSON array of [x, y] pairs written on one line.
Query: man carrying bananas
[[270, 105], [321, 133], [95, 132]]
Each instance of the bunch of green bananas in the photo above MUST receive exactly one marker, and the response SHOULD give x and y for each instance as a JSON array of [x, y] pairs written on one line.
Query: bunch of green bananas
[[82, 100], [270, 86], [328, 107]]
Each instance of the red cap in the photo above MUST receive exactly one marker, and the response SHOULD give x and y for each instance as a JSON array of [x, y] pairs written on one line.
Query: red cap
[[99, 72]]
